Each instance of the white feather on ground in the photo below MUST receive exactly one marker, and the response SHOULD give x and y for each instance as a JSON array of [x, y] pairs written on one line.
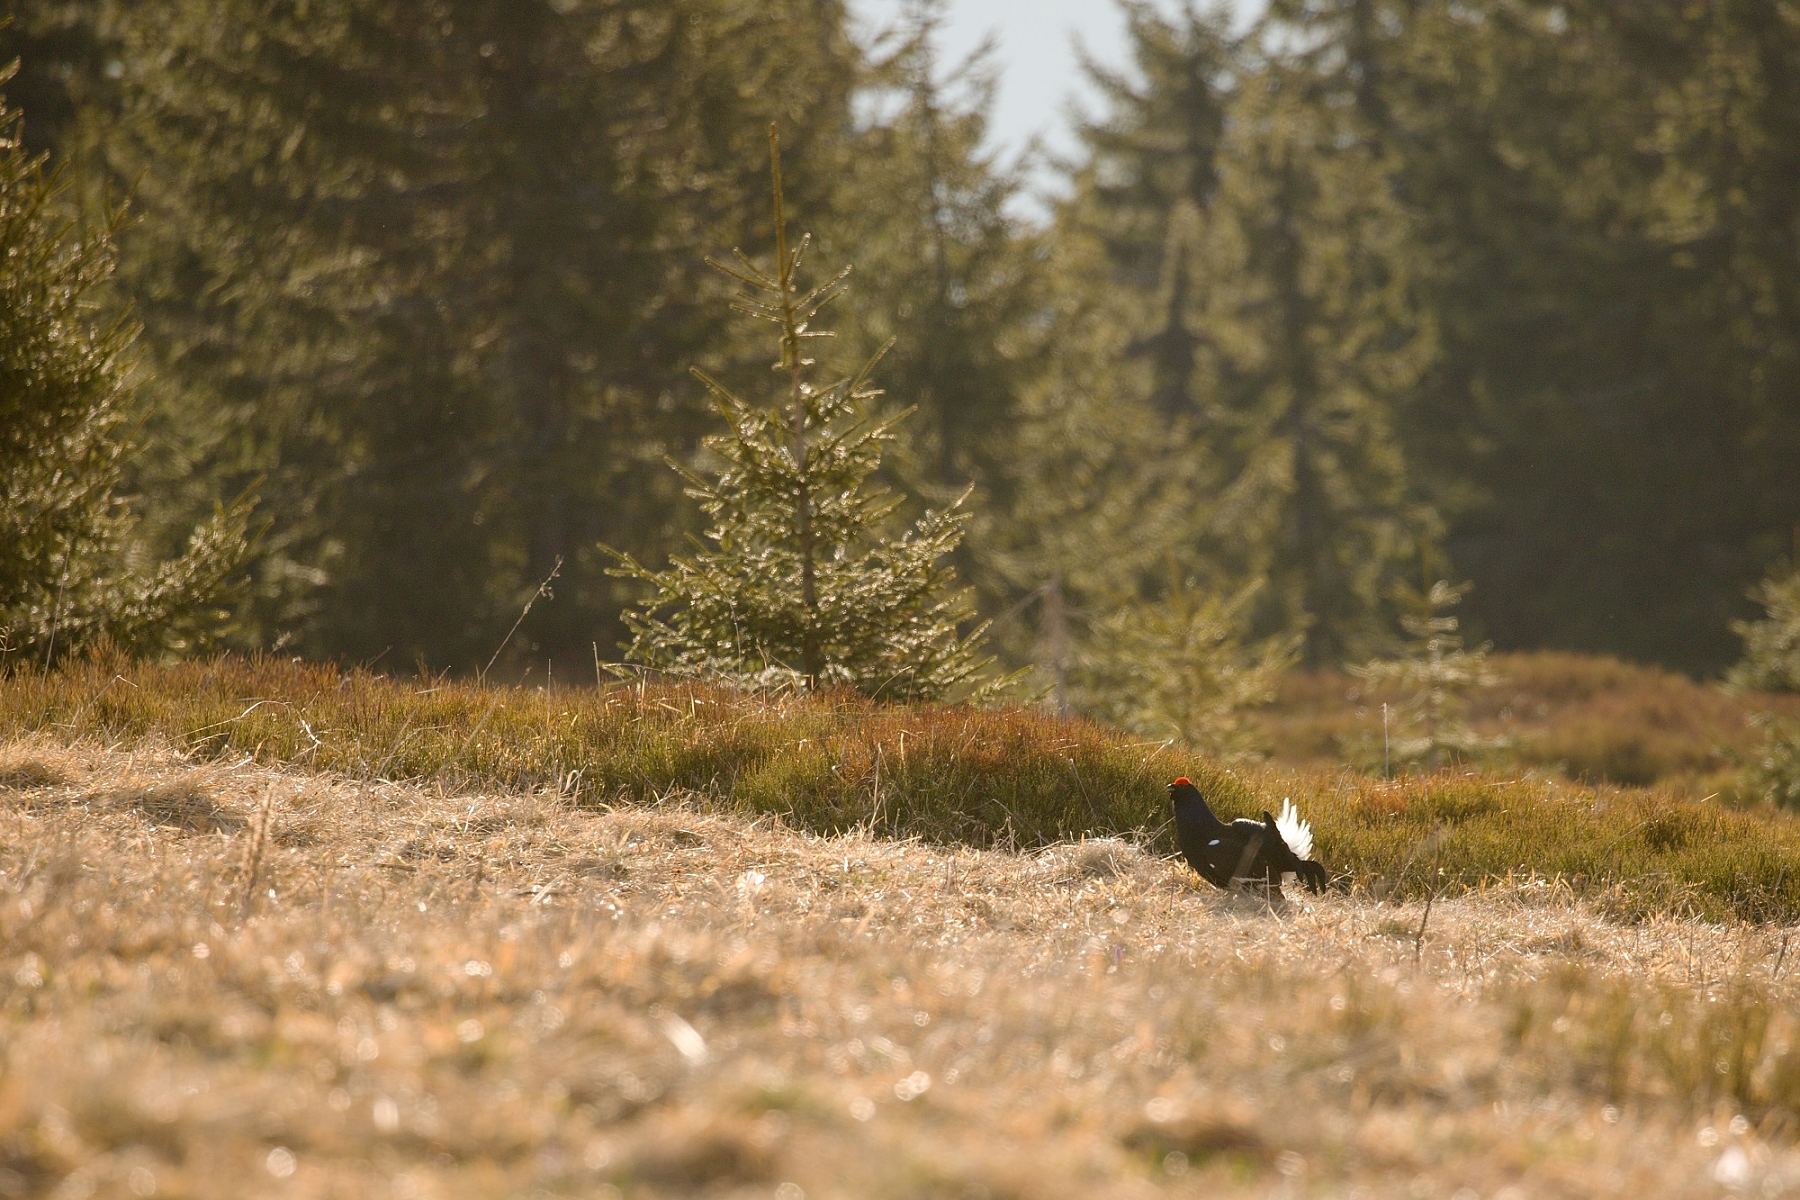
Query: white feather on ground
[[1295, 832]]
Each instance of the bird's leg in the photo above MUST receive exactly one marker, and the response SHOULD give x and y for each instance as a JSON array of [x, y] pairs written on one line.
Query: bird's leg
[[1252, 848]]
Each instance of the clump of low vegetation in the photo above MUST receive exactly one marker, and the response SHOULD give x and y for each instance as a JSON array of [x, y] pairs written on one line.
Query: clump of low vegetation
[[827, 762]]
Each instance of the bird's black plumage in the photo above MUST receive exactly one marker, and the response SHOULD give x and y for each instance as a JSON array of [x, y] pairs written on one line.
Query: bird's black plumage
[[1245, 851]]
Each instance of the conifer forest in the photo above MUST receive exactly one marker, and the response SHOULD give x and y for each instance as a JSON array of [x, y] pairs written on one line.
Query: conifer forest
[[400, 316]]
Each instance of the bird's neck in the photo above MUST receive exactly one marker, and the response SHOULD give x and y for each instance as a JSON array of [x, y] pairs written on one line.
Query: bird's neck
[[1194, 812]]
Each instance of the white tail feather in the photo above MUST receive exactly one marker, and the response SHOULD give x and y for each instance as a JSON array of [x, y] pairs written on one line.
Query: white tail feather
[[1295, 832]]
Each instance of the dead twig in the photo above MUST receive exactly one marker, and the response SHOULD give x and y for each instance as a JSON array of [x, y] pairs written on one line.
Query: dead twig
[[1437, 870], [543, 589]]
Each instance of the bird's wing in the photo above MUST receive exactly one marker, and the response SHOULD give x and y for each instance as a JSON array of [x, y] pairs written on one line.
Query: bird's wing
[[1295, 832]]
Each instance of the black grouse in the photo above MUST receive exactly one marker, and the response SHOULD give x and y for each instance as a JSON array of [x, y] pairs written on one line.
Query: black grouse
[[1245, 851]]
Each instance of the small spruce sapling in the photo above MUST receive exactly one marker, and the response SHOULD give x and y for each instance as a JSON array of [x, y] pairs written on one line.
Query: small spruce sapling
[[1771, 663], [1773, 772], [802, 585], [1440, 672], [1178, 667]]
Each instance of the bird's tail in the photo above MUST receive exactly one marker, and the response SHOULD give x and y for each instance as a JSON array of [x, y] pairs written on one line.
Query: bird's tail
[[1295, 832]]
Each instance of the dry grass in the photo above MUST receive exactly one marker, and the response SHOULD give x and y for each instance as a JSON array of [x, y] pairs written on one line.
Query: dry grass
[[338, 986], [1581, 717]]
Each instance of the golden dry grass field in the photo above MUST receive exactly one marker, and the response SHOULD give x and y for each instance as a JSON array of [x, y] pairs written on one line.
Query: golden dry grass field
[[226, 978]]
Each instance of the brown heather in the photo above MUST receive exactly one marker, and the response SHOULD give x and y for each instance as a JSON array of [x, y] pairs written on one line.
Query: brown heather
[[1578, 716]]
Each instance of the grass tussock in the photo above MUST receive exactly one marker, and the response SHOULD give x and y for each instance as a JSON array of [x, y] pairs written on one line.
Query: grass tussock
[[22, 772], [444, 993], [973, 777], [186, 804]]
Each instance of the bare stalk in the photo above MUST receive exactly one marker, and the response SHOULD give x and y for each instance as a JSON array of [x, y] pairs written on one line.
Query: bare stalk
[[543, 589], [259, 838], [1437, 856]]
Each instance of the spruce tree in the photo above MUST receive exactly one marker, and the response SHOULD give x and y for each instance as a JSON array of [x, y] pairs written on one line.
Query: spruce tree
[[1439, 672], [1773, 773], [69, 570], [1312, 295], [1092, 501], [1111, 471], [432, 267], [1180, 668], [1147, 189], [801, 586], [1267, 287], [1602, 200], [1771, 661], [946, 267], [290, 271]]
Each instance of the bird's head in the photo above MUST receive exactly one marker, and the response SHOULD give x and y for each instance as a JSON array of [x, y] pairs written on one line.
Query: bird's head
[[1191, 809]]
